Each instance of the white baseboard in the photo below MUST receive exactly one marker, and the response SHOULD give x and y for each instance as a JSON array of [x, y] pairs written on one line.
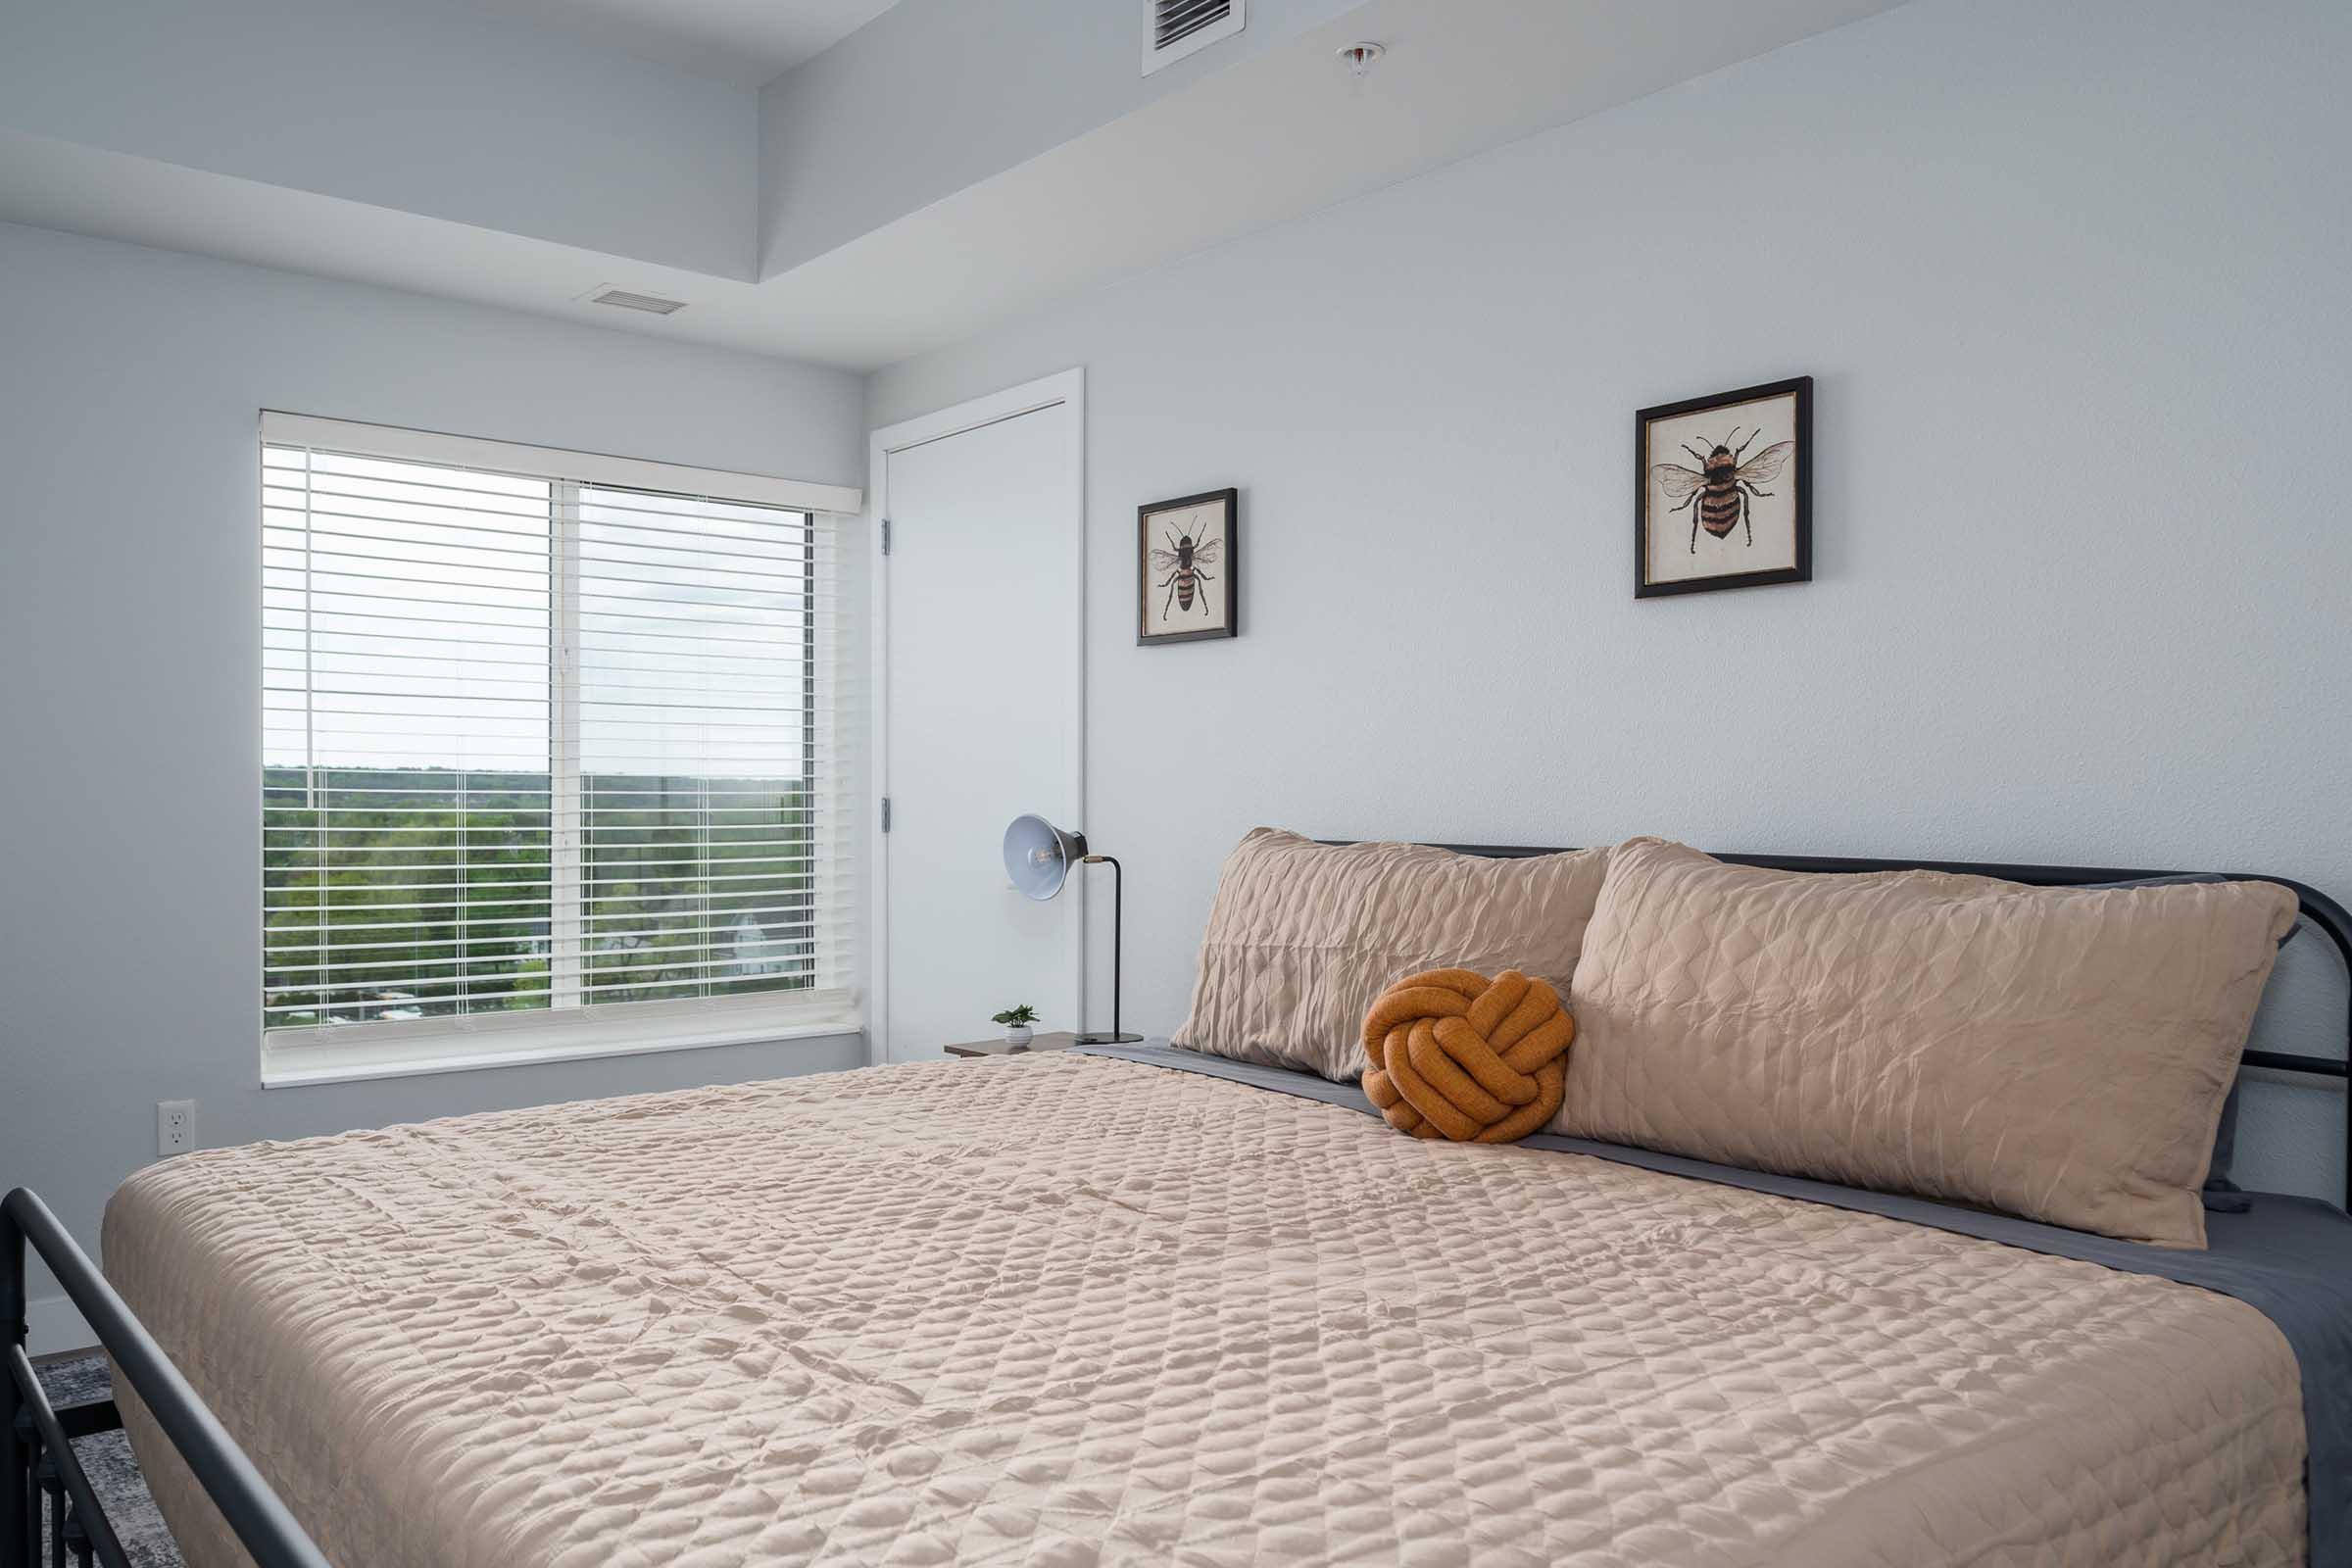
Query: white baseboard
[[52, 1324]]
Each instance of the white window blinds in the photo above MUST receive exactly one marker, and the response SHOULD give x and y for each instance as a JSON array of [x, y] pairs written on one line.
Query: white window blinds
[[543, 752]]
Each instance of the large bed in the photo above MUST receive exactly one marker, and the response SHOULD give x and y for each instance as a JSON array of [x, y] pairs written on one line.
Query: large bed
[[1142, 1305], [1073, 1310]]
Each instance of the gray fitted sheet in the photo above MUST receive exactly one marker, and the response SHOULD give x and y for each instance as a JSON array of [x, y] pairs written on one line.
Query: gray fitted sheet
[[2288, 1258]]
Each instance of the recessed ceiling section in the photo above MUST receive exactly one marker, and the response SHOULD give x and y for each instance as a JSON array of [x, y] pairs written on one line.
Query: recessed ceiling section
[[747, 43], [939, 95], [419, 109], [612, 174]]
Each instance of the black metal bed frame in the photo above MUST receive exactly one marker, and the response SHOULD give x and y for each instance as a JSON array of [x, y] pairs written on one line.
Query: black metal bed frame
[[43, 1478], [42, 1472]]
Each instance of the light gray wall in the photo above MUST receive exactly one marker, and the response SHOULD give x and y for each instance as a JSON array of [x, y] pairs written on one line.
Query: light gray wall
[[129, 630], [935, 95], [421, 106], [2070, 282]]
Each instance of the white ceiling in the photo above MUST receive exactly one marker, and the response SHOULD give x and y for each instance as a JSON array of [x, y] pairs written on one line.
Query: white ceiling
[[1274, 136], [748, 44]]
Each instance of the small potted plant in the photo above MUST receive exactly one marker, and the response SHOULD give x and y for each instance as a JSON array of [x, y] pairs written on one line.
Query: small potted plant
[[1016, 1022]]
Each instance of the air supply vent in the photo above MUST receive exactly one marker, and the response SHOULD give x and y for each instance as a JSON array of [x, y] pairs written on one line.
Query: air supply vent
[[1174, 28], [622, 299]]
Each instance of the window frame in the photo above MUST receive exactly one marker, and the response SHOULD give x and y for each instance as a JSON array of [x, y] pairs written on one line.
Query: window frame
[[567, 1030]]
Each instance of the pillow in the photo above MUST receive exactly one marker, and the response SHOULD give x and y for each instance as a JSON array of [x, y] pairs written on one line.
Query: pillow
[[2222, 1195], [2175, 880], [1304, 937], [1450, 1054], [2056, 1052]]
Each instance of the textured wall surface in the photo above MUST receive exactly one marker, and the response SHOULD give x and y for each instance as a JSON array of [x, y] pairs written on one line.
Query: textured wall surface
[[2082, 353], [130, 382]]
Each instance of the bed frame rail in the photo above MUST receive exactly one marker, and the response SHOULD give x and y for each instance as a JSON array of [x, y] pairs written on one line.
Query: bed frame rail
[[49, 1513]]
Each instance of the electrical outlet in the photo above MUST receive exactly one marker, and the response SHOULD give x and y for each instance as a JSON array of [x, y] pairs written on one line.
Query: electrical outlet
[[174, 1126]]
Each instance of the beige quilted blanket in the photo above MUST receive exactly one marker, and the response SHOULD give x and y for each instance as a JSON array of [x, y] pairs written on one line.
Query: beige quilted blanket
[[1068, 1310]]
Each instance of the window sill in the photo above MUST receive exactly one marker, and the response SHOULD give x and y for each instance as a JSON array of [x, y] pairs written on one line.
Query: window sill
[[418, 1055]]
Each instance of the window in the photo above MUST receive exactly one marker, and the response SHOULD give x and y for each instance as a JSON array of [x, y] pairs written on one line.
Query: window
[[551, 763]]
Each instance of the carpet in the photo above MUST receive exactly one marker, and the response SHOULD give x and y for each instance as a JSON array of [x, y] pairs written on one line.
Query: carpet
[[106, 1460]]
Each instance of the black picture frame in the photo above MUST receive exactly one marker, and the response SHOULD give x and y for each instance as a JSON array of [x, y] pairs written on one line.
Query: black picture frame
[[1800, 389], [1222, 587]]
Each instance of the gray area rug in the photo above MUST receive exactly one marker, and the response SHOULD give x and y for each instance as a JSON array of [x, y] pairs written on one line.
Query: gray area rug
[[114, 1474]]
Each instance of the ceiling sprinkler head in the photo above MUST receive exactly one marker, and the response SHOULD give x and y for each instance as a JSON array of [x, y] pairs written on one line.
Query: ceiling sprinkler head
[[1358, 57]]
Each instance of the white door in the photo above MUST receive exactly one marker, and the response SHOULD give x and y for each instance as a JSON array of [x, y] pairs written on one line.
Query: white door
[[983, 619]]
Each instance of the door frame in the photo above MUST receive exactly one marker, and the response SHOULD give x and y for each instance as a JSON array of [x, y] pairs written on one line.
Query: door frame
[[1063, 388]]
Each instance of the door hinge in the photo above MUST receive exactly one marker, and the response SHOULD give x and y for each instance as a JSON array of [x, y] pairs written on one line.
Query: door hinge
[[885, 813], [886, 536]]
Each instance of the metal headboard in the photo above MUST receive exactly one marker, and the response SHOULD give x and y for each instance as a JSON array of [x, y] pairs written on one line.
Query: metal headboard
[[2321, 912]]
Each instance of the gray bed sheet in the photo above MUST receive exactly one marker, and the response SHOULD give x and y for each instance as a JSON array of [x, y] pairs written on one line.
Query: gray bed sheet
[[2288, 1258]]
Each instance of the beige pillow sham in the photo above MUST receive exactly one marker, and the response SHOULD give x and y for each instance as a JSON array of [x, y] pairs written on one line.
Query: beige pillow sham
[[1304, 937], [2055, 1052]]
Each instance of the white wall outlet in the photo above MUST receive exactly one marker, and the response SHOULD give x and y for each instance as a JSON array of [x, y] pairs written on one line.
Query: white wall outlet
[[174, 1126]]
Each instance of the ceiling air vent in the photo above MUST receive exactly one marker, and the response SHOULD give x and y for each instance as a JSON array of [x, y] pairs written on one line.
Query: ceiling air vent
[[1174, 28], [622, 299]]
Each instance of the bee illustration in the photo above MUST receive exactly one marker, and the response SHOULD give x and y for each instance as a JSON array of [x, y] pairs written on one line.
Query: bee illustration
[[1182, 560], [1717, 491]]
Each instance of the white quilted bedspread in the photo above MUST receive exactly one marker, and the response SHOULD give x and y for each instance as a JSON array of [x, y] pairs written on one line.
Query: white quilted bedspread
[[1068, 1310]]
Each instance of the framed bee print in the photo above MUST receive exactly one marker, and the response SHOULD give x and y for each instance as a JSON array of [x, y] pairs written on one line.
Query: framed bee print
[[1724, 491], [1187, 553]]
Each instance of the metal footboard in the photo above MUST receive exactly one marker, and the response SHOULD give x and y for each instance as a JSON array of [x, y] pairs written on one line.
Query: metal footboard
[[43, 1478]]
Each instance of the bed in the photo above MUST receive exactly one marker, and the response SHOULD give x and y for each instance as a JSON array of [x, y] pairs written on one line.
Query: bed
[[1144, 1306]]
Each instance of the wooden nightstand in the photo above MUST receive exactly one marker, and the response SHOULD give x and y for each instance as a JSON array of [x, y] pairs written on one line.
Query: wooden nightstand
[[1059, 1040]]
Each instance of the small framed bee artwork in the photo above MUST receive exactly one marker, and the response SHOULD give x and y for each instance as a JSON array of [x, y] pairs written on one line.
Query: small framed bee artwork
[[1188, 551], [1724, 490]]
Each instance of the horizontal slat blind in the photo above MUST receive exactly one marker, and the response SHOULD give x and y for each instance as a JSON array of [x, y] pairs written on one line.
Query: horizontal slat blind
[[697, 627], [535, 744]]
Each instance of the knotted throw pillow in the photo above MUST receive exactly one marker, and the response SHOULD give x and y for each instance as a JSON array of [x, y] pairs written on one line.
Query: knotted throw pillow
[[1455, 1054]]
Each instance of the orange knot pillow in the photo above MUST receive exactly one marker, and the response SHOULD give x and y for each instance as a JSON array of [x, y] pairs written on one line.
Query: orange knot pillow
[[1457, 1055]]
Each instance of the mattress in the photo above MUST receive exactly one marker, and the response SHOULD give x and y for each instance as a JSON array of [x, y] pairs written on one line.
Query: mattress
[[1074, 1309]]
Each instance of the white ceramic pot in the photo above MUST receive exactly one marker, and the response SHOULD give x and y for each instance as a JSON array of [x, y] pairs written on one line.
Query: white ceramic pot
[[1018, 1036]]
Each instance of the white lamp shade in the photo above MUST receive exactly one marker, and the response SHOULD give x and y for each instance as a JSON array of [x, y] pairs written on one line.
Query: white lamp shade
[[1038, 856]]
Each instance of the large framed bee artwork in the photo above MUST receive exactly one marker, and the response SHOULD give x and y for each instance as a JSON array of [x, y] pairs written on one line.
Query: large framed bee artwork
[[1724, 490], [1187, 555]]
